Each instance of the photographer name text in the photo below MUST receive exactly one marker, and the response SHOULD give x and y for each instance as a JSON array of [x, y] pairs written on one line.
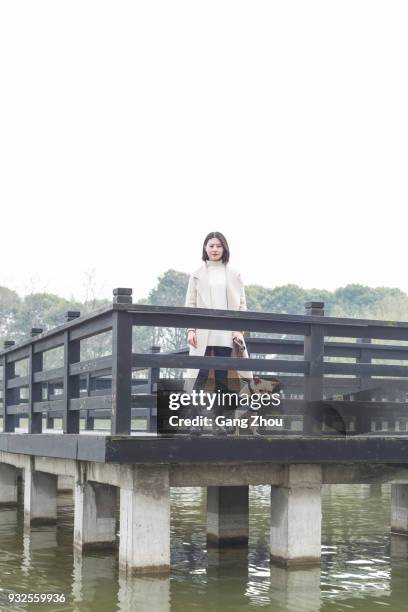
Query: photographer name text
[[255, 420]]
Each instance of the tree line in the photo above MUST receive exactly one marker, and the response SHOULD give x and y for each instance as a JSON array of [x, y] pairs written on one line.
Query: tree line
[[46, 310]]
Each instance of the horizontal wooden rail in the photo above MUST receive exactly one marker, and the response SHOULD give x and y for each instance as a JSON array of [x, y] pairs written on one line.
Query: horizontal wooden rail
[[180, 361], [203, 318], [371, 369], [353, 350]]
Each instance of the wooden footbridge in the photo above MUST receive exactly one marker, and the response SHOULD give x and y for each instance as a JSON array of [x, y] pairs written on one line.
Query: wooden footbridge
[[344, 402]]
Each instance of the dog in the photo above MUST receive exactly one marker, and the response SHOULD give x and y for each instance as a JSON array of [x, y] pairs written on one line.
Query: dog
[[258, 386]]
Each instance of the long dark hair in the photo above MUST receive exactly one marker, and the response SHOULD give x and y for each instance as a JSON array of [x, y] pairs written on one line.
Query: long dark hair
[[223, 240]]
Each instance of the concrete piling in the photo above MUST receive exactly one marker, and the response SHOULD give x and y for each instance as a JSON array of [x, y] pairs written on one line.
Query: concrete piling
[[145, 521], [295, 538], [227, 516], [399, 509], [8, 485], [40, 497], [144, 489], [94, 515], [65, 484]]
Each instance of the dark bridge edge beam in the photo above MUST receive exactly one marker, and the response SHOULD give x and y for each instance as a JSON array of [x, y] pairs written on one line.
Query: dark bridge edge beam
[[248, 450], [68, 446], [201, 451]]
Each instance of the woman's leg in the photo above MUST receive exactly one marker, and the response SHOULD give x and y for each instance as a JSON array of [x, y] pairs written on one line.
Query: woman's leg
[[221, 385], [200, 382], [202, 375], [221, 376]]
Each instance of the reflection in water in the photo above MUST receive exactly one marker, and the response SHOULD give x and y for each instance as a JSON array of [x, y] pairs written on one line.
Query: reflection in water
[[144, 594], [94, 579], [356, 569], [399, 548], [363, 566], [41, 539], [295, 589]]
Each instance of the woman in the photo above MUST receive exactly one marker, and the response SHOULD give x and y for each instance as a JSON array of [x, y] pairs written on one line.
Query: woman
[[215, 285]]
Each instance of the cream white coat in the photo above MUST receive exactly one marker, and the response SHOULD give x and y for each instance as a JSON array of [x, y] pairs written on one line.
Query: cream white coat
[[199, 296]]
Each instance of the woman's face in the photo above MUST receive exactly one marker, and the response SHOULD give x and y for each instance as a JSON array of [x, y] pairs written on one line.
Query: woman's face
[[214, 249]]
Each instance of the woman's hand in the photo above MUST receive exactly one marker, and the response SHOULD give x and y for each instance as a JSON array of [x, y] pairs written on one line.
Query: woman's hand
[[239, 335], [238, 341], [192, 338]]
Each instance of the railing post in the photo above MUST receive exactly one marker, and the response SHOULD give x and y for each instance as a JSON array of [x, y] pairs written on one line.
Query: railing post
[[35, 364], [9, 420], [121, 364], [36, 331], [71, 419], [50, 419], [70, 315], [363, 420], [313, 354], [89, 418], [153, 379], [72, 354]]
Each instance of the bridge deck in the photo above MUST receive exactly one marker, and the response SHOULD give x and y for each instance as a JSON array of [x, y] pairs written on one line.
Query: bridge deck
[[209, 450]]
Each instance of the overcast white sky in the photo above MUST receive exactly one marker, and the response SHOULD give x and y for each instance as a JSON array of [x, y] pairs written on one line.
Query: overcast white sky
[[128, 130]]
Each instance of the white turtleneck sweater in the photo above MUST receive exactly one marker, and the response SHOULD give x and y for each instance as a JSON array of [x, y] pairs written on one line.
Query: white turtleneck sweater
[[218, 290]]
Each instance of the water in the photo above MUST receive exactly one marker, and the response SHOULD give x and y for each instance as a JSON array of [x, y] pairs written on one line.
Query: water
[[363, 566]]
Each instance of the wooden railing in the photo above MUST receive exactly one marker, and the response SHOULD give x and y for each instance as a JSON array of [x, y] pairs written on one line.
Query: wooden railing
[[104, 387]]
